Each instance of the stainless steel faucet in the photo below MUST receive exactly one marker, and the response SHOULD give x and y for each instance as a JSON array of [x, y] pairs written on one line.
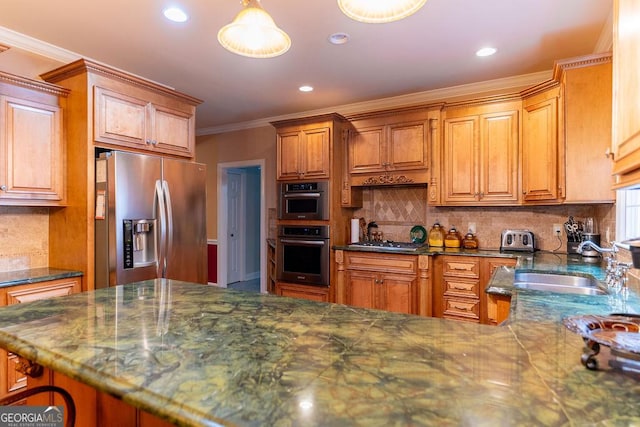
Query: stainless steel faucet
[[586, 243]]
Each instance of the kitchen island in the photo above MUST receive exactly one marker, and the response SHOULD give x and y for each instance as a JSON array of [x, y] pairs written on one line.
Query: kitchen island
[[199, 355]]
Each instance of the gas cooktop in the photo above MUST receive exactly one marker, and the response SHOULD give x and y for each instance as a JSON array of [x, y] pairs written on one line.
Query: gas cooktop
[[390, 245]]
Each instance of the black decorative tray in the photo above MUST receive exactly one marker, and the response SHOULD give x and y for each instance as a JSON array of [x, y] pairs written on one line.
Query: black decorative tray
[[618, 331]]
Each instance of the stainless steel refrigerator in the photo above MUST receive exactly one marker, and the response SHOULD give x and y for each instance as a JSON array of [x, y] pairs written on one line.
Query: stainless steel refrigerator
[[150, 219]]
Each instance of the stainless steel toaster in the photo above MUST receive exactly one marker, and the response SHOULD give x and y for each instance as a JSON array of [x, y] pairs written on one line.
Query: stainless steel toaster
[[517, 240]]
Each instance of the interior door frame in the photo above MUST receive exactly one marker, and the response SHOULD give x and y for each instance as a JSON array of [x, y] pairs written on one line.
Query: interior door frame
[[222, 219]]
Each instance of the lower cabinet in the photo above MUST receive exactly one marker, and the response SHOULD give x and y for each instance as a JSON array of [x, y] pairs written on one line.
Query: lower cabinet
[[293, 290], [384, 291], [459, 288], [93, 408], [498, 307], [392, 282], [11, 380]]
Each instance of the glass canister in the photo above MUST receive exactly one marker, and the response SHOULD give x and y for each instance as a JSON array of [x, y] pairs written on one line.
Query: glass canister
[[452, 239], [436, 235], [470, 241]]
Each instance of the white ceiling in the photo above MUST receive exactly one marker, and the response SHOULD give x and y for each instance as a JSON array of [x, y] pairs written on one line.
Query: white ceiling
[[430, 50]]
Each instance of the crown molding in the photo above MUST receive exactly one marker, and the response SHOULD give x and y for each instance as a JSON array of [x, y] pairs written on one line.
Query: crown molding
[[36, 46], [413, 99], [605, 41]]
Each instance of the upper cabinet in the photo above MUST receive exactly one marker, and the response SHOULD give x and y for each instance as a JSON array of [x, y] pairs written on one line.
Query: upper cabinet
[[131, 113], [480, 152], [392, 147], [32, 142], [626, 93], [530, 147], [586, 85], [303, 150], [132, 122], [540, 147]]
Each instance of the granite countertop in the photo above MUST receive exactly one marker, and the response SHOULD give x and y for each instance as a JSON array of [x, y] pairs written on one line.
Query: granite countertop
[[34, 275], [200, 355]]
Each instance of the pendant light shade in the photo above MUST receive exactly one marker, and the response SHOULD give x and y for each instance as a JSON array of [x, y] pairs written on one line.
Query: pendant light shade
[[379, 11], [253, 33]]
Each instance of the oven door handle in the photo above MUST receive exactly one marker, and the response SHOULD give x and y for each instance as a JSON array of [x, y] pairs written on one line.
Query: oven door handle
[[304, 242], [301, 195]]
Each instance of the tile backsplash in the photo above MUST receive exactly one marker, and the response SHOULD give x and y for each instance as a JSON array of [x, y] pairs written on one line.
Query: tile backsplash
[[397, 209], [24, 238]]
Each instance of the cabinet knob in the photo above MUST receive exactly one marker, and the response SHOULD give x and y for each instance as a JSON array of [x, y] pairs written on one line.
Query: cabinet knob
[[3, 187]]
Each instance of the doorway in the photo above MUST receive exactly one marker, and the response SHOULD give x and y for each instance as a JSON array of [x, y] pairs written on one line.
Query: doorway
[[241, 227]]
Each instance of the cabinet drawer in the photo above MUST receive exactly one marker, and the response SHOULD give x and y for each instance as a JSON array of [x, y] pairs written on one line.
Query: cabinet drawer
[[386, 263], [461, 267], [467, 309], [462, 288]]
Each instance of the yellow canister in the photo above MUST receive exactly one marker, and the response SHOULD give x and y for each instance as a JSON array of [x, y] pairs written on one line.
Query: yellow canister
[[452, 239], [436, 236]]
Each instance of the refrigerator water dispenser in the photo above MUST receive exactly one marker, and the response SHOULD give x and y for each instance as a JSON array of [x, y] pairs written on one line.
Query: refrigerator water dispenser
[[139, 249]]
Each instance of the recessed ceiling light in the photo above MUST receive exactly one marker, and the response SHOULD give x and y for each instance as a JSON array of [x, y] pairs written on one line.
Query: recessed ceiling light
[[338, 38], [486, 51], [305, 88], [175, 14]]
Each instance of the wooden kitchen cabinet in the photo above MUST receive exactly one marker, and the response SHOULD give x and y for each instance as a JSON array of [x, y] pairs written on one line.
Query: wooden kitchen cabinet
[[304, 147], [459, 287], [626, 92], [32, 142], [480, 154], [587, 98], [309, 292], [542, 151], [392, 147], [498, 306], [392, 282], [12, 381], [143, 122], [101, 100]]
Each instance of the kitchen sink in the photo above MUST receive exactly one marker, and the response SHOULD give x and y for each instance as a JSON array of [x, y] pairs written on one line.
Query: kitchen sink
[[559, 283]]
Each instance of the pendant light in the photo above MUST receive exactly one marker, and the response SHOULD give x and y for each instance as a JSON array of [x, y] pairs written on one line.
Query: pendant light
[[379, 11], [253, 33]]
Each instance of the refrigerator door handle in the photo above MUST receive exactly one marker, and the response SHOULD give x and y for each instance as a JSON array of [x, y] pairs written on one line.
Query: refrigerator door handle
[[160, 247], [167, 198]]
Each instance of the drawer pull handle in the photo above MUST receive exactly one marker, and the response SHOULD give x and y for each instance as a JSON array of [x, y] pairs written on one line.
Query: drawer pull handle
[[462, 308]]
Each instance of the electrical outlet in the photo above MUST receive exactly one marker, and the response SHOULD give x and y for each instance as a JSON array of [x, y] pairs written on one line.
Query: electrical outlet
[[557, 229], [472, 227]]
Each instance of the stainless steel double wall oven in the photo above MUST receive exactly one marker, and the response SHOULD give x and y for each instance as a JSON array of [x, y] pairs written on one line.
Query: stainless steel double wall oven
[[303, 248]]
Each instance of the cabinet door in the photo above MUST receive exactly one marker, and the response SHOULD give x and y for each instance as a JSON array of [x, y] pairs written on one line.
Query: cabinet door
[[626, 90], [120, 119], [288, 151], [499, 158], [315, 153], [31, 145], [366, 150], [172, 130], [397, 293], [587, 129], [361, 289], [540, 150], [407, 146], [460, 159]]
